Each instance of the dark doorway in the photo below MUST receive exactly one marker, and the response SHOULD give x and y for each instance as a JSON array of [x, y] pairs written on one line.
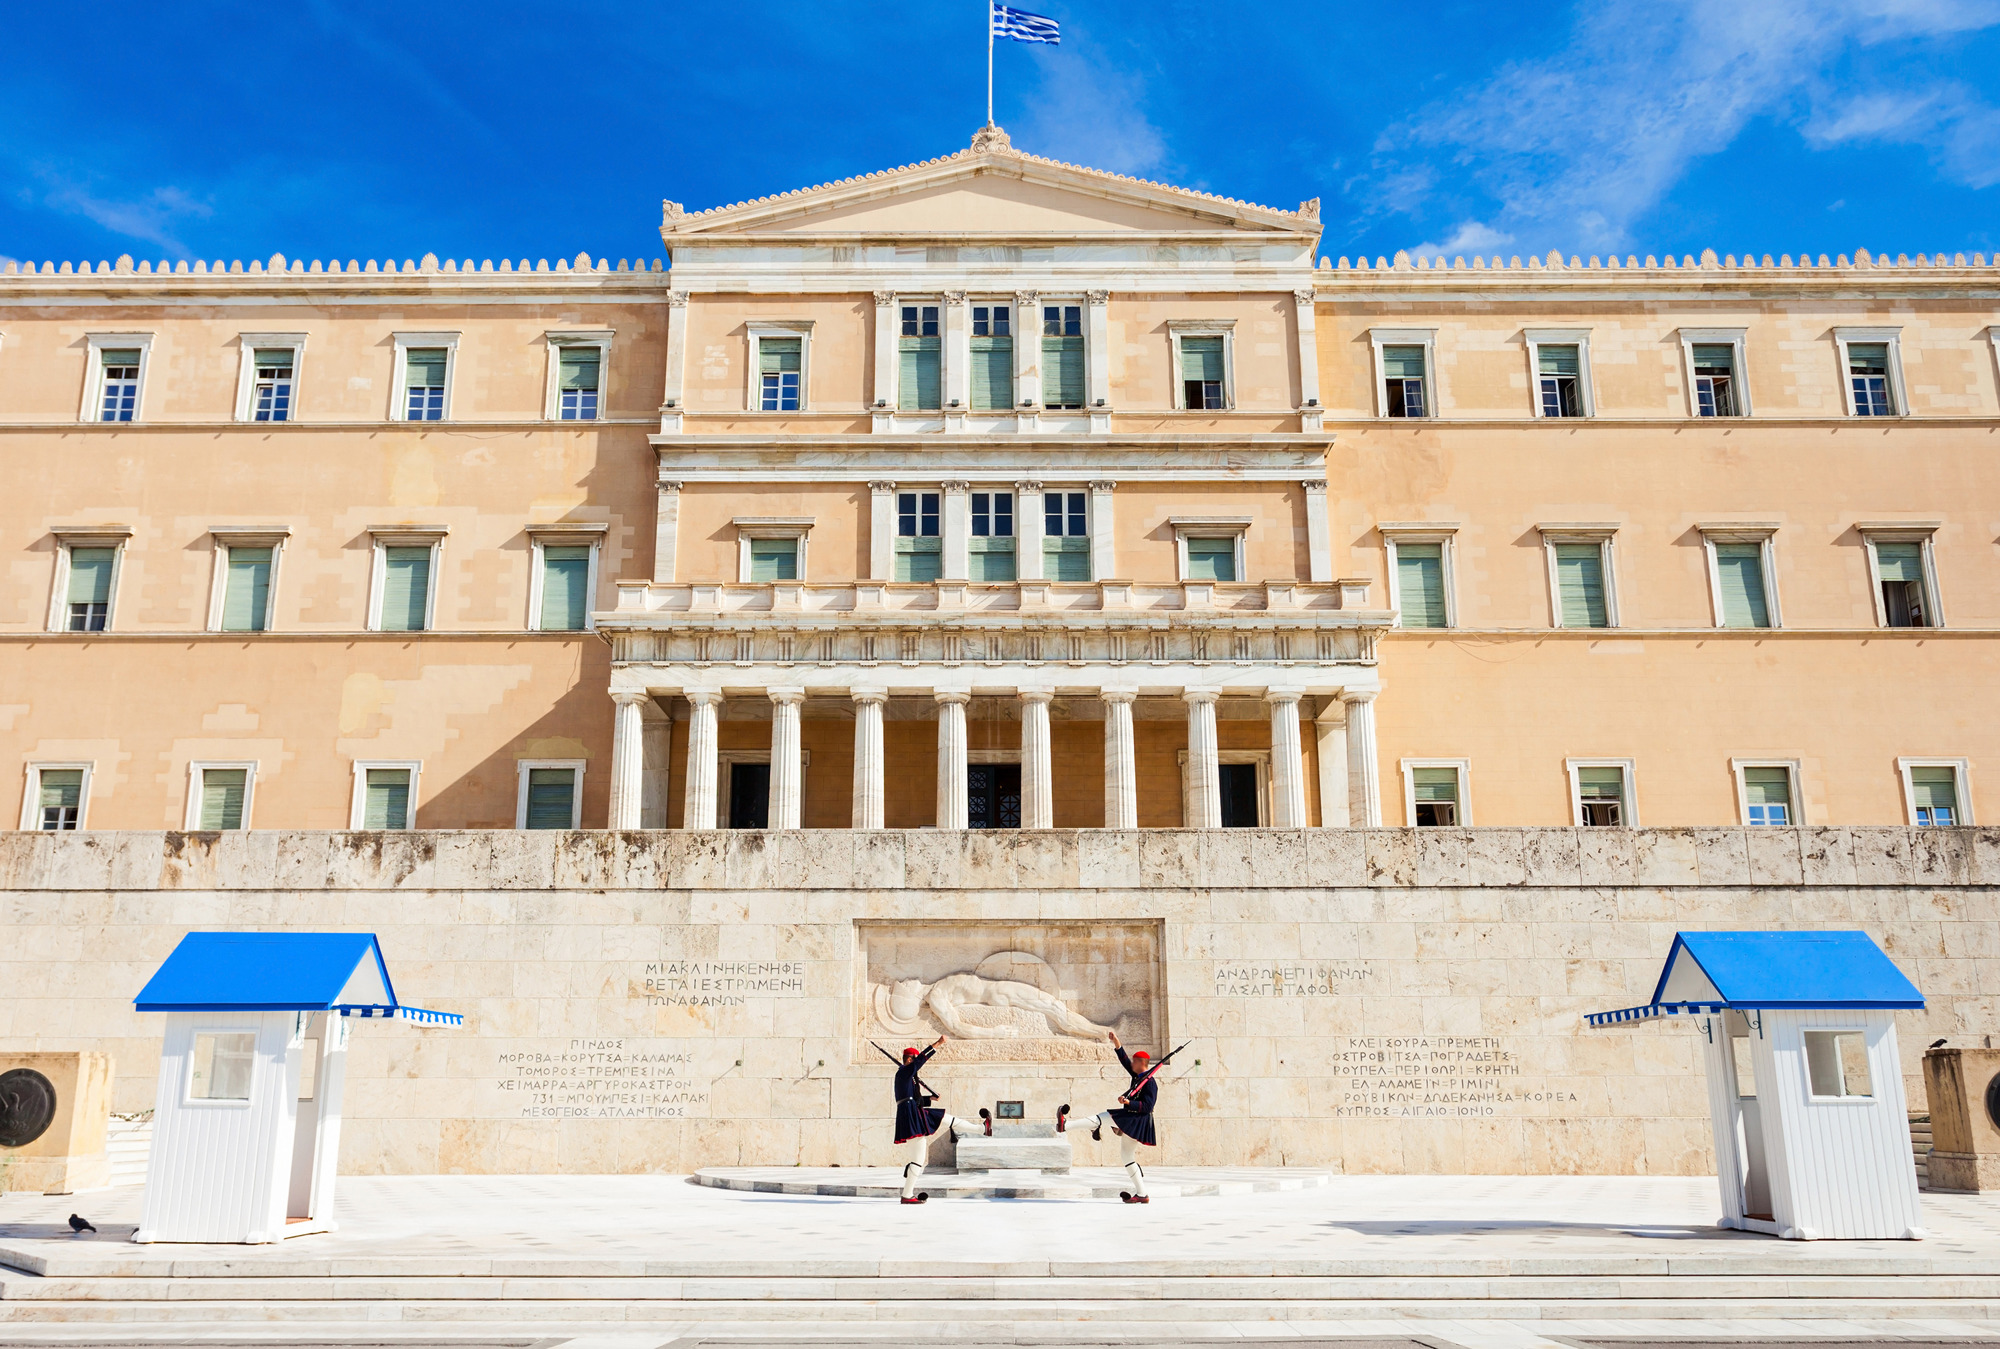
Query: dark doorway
[[1239, 795], [749, 796], [993, 796]]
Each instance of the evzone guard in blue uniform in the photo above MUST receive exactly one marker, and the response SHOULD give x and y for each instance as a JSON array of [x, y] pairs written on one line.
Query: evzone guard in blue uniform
[[917, 1120], [1132, 1119]]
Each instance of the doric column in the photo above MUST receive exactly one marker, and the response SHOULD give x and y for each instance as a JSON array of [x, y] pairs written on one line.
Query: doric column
[[628, 757], [1038, 788], [1330, 745], [886, 361], [1288, 764], [1103, 551], [666, 527], [699, 809], [951, 760], [1364, 790], [1028, 530], [882, 531], [785, 757], [955, 526], [1121, 769], [656, 775], [1204, 766], [868, 771], [1319, 534], [1302, 304]]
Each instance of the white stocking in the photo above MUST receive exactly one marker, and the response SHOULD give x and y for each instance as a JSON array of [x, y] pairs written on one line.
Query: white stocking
[[1128, 1152], [1136, 1172], [920, 1149]]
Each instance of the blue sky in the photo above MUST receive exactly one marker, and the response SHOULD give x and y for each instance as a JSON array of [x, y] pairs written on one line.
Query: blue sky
[[317, 129]]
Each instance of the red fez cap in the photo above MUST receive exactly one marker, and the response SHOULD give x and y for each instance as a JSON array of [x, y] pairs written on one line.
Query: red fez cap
[[1140, 1054], [909, 1051]]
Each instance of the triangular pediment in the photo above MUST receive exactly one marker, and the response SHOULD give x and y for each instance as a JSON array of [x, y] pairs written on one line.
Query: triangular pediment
[[994, 190]]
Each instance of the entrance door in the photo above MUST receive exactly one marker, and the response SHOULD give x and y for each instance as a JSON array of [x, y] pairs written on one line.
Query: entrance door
[[993, 796], [1239, 795], [1750, 1131], [749, 796]]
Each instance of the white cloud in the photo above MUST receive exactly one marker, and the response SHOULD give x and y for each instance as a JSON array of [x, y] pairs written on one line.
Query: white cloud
[[1472, 236], [1087, 112], [149, 219], [1577, 145], [1961, 130]]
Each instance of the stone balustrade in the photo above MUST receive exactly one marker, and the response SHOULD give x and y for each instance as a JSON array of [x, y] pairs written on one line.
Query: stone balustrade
[[1046, 598]]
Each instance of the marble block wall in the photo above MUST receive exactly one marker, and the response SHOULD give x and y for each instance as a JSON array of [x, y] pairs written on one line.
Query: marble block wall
[[1376, 1000]]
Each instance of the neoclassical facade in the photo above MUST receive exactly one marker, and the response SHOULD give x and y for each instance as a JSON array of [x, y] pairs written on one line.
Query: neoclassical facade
[[994, 492]]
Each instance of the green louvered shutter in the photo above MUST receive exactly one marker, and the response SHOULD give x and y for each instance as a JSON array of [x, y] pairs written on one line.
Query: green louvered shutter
[[60, 800], [222, 797], [565, 587], [246, 591], [579, 368], [1558, 360], [551, 797], [1201, 358], [1900, 561], [1211, 559], [780, 355], [1935, 792], [1767, 795], [992, 374], [1066, 559], [1062, 372], [774, 560], [1401, 362], [1739, 569], [1435, 784], [1580, 585], [387, 804], [406, 588], [89, 597], [1601, 784], [1420, 583], [919, 390]]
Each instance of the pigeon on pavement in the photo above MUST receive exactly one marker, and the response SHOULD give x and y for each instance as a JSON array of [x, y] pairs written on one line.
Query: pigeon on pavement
[[80, 1225]]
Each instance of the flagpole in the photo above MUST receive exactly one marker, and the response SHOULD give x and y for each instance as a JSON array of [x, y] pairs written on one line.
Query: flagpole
[[989, 62]]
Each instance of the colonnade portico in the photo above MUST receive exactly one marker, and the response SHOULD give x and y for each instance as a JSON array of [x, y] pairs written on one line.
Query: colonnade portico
[[949, 691]]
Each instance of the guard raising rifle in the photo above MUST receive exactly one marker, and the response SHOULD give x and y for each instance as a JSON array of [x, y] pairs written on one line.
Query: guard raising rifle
[[917, 1120], [1132, 1118]]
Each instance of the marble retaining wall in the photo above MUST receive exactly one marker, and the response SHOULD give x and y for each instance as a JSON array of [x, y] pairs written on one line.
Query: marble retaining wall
[[1378, 1000]]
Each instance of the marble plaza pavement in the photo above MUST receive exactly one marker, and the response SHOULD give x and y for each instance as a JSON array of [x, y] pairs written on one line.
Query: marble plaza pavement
[[630, 1262]]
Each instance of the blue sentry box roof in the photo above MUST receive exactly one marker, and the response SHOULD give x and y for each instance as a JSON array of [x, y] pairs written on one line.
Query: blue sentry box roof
[[1793, 969], [267, 972]]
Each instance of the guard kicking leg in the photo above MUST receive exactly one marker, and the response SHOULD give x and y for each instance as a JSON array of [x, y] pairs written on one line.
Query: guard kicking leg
[[1128, 1157], [922, 1147]]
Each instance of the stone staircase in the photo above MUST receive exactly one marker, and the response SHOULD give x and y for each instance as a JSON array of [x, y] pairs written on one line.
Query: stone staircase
[[129, 1142]]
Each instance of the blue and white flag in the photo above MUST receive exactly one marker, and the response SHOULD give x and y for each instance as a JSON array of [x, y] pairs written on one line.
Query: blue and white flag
[[1025, 27]]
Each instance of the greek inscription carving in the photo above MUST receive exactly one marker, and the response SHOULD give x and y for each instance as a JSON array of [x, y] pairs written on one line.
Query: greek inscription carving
[[598, 1079], [720, 983]]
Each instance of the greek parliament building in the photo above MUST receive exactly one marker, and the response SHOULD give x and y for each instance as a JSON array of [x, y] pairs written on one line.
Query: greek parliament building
[[1001, 568]]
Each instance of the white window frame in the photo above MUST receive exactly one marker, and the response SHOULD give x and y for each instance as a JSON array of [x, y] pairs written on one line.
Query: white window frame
[[1012, 304], [1603, 535], [1628, 807], [191, 817], [358, 805], [92, 408], [1422, 531], [552, 392], [1259, 757], [1765, 537], [246, 371], [896, 356], [1082, 302], [224, 538], [31, 798], [522, 768], [753, 398], [403, 536], [1586, 392], [1921, 532], [1464, 770], [1962, 784], [797, 527], [399, 381], [1739, 371], [1899, 403], [564, 536], [1794, 774], [1235, 528], [114, 537], [1178, 329], [1379, 338]]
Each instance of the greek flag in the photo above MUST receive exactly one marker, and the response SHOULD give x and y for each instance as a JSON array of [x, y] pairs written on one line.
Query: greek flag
[[1025, 27]]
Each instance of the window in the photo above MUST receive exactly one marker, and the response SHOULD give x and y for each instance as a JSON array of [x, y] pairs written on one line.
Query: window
[[424, 369], [385, 796], [550, 794], [993, 796], [1066, 536], [1837, 1063], [1211, 559], [1210, 547], [1062, 356], [1403, 382], [1420, 593], [779, 361], [1767, 794], [1714, 380], [246, 596], [406, 588], [1905, 598], [565, 587], [220, 795], [222, 1065], [1935, 791], [771, 547], [1602, 791], [577, 385], [271, 393], [991, 548], [1201, 373], [919, 549], [774, 560], [1871, 366], [1580, 576], [920, 386], [88, 594], [1742, 584], [121, 383], [114, 379], [992, 358], [1434, 793], [1559, 370], [56, 797]]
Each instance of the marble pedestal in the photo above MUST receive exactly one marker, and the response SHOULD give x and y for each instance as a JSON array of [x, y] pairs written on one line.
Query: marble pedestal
[[1015, 1145]]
